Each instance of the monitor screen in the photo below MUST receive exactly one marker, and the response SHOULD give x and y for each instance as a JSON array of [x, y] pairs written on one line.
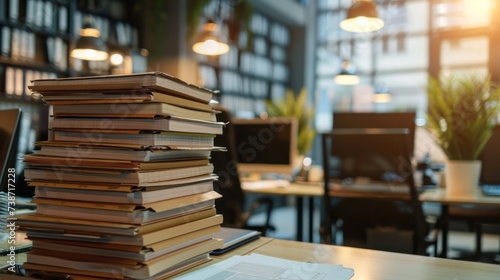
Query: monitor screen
[[374, 154], [9, 137], [266, 146], [490, 159], [377, 120]]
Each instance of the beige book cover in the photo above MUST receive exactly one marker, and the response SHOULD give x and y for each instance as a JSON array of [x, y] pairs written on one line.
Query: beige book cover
[[35, 222], [156, 81]]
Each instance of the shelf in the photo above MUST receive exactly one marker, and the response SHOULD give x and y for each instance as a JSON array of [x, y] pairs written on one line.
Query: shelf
[[33, 65]]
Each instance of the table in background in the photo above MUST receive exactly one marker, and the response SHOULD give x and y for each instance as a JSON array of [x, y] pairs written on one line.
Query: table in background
[[312, 190], [372, 264], [439, 196], [300, 190]]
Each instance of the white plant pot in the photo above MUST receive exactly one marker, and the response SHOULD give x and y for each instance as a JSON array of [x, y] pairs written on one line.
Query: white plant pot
[[462, 178]]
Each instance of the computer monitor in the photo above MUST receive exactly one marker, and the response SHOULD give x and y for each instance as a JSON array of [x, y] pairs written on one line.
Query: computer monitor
[[490, 160], [371, 154], [266, 146], [9, 138], [377, 120]]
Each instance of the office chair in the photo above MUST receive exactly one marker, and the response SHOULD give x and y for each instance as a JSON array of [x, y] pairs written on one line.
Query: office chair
[[480, 229], [387, 215], [232, 203]]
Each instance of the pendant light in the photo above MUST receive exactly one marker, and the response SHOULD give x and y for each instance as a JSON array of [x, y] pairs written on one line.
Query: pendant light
[[362, 16], [382, 95], [347, 74], [90, 46], [209, 41]]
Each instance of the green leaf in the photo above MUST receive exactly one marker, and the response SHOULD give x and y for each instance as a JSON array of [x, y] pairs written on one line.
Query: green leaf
[[294, 105], [462, 112]]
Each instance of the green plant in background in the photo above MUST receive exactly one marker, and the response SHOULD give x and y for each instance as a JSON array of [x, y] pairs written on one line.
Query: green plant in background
[[462, 111], [296, 106]]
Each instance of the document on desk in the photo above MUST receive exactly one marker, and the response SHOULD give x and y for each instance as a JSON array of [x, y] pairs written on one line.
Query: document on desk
[[264, 184], [261, 267]]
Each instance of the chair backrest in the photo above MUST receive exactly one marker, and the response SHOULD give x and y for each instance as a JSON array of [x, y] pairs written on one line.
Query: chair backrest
[[370, 169], [231, 203]]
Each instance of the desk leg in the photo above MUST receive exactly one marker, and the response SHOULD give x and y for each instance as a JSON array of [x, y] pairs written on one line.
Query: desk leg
[[300, 218], [444, 230], [311, 218]]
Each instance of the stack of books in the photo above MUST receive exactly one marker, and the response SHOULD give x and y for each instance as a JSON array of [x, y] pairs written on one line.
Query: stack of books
[[124, 185]]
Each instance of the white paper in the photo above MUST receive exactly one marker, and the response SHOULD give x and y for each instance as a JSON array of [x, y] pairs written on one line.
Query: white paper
[[264, 184], [260, 267]]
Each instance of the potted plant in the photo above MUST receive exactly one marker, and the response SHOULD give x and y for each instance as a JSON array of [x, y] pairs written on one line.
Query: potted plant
[[296, 106], [462, 111]]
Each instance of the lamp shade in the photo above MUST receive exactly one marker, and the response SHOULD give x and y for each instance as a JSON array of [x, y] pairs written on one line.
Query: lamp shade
[[362, 16], [382, 95], [347, 74], [209, 41], [90, 46]]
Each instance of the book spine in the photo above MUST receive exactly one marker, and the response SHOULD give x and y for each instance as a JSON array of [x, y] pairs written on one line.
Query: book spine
[[134, 139]]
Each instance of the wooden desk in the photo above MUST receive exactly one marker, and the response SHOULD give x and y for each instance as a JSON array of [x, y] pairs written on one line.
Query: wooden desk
[[300, 191], [439, 196], [309, 190], [367, 264], [372, 264]]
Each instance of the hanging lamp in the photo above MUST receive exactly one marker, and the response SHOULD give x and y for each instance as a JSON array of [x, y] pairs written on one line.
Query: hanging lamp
[[209, 41], [90, 46], [382, 95], [362, 16], [347, 74]]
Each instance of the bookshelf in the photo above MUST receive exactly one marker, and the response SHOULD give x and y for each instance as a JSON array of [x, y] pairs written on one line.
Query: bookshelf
[[257, 66], [38, 35], [36, 38]]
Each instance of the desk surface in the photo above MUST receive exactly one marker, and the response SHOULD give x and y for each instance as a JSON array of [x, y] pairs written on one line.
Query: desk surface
[[316, 190], [439, 196], [367, 264], [371, 264], [296, 189]]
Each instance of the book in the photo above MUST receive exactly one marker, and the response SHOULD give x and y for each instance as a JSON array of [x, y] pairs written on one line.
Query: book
[[36, 222], [135, 270], [51, 271], [145, 239], [132, 110], [233, 238], [156, 81], [75, 150], [116, 97], [125, 213], [118, 187], [103, 97], [115, 176], [38, 160], [136, 197], [174, 140], [138, 253], [176, 124]]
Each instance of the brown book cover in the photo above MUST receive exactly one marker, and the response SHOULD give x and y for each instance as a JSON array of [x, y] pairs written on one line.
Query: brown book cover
[[52, 161], [156, 81], [173, 140], [171, 124], [76, 150], [124, 213], [39, 222], [130, 98], [132, 110], [136, 197], [130, 269], [145, 239], [130, 252], [115, 176]]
